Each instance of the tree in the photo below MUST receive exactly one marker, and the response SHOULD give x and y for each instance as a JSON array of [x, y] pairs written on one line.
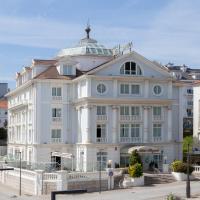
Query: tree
[[135, 158], [187, 140], [3, 134]]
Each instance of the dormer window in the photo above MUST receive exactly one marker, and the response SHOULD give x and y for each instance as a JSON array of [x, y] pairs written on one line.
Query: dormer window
[[67, 70], [130, 68]]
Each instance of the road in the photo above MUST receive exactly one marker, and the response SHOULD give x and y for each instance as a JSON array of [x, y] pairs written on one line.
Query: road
[[156, 192]]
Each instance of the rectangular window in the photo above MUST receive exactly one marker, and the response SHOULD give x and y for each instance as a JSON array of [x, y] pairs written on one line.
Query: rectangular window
[[56, 112], [124, 110], [101, 160], [157, 130], [135, 110], [189, 103], [124, 88], [135, 89], [101, 130], [101, 110], [56, 92], [157, 111], [135, 130], [124, 130], [190, 91], [56, 133]]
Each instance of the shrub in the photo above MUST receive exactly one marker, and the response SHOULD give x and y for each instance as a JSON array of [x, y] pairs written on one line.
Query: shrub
[[172, 197], [135, 158], [135, 170], [179, 166]]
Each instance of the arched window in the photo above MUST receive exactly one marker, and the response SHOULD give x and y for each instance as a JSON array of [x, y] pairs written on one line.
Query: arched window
[[130, 68]]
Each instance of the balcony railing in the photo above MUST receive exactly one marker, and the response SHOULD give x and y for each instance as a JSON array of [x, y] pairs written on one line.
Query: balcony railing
[[130, 139], [129, 117], [157, 117], [157, 139], [19, 103], [55, 140], [102, 140], [101, 117], [57, 98], [56, 119]]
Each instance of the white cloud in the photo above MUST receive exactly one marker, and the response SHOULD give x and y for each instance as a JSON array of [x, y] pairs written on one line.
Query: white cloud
[[173, 34]]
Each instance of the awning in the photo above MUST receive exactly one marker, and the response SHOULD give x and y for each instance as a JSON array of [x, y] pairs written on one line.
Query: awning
[[144, 149], [62, 155]]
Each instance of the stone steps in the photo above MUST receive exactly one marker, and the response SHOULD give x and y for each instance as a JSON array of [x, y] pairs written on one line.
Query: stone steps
[[151, 179]]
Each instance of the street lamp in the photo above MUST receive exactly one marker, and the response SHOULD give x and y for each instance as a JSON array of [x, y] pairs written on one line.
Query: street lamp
[[188, 174], [20, 173], [100, 152]]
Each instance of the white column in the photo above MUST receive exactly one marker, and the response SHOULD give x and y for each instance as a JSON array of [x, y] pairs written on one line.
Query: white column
[[115, 88], [170, 89], [88, 123], [145, 137], [89, 88], [146, 88], [169, 120], [79, 124], [115, 123]]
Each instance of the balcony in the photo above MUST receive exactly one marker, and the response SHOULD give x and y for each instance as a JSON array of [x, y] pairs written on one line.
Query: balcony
[[157, 139], [55, 140], [102, 140], [130, 117], [130, 139], [157, 117], [56, 98], [18, 104], [56, 119], [101, 117]]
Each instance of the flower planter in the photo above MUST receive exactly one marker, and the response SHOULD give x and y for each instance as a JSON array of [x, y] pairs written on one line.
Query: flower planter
[[130, 182], [181, 176]]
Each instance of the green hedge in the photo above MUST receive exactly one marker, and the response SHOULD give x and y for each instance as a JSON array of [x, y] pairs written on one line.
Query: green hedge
[[179, 166]]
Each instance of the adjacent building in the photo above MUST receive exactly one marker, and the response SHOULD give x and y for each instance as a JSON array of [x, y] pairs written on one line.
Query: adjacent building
[[94, 103], [187, 77], [3, 89], [3, 113]]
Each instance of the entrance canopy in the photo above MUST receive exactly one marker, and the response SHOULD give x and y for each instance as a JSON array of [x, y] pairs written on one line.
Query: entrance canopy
[[144, 150], [62, 155]]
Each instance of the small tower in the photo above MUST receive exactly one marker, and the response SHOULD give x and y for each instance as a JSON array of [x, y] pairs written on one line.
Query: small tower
[[87, 30]]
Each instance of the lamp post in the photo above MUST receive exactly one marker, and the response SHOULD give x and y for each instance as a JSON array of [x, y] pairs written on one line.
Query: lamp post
[[100, 173], [188, 174], [20, 173]]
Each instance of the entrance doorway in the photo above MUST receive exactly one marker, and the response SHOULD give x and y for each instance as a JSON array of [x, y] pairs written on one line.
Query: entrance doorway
[[56, 160]]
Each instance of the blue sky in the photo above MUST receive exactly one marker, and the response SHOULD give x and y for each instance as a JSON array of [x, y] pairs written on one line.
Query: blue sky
[[162, 30]]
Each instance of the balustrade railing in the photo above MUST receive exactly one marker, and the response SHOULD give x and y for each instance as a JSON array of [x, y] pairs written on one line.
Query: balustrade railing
[[130, 139], [56, 119], [157, 139], [57, 98], [56, 140], [102, 140], [130, 117], [157, 117], [101, 117]]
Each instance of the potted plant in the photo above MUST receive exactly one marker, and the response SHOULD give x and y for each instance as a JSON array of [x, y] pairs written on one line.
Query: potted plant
[[179, 170], [135, 171]]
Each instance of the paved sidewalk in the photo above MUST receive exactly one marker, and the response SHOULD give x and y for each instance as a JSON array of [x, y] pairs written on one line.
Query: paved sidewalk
[[156, 192]]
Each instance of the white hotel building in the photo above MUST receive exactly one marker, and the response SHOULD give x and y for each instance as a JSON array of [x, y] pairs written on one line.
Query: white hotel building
[[88, 100]]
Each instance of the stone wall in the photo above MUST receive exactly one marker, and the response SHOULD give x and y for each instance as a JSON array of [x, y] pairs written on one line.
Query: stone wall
[[90, 186]]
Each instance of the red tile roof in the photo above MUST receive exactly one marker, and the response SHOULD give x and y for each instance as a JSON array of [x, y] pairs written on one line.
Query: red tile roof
[[3, 104]]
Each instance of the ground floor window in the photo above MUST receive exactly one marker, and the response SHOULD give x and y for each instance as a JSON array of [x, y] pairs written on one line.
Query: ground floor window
[[102, 157], [124, 161], [157, 130]]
